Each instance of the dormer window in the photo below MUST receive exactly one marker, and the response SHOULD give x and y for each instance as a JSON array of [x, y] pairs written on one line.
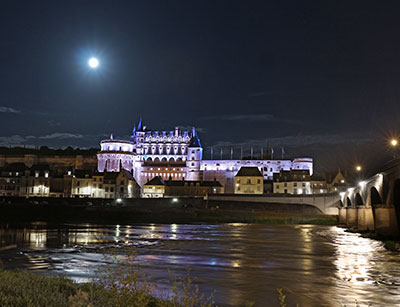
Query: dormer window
[[46, 175], [36, 174]]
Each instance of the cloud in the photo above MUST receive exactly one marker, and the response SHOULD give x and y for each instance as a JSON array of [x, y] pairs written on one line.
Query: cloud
[[58, 135], [189, 128], [12, 140], [241, 117], [53, 123], [8, 110]]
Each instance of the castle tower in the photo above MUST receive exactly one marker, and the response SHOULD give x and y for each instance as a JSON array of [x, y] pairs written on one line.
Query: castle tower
[[194, 157]]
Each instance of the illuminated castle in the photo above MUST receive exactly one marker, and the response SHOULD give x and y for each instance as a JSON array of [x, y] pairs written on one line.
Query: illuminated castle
[[178, 155]]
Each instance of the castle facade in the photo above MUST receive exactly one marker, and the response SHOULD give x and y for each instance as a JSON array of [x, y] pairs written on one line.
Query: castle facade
[[178, 155]]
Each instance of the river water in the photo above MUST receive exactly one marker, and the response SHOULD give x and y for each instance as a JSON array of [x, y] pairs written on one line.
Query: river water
[[315, 265]]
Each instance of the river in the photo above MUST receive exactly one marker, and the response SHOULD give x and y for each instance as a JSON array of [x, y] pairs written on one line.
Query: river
[[314, 265]]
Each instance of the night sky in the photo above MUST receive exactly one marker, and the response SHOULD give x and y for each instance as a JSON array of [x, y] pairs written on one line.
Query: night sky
[[318, 78]]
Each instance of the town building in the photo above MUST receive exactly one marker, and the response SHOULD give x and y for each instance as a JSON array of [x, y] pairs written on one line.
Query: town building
[[292, 182], [249, 180], [158, 187], [13, 179], [318, 185], [40, 181], [178, 155], [155, 188], [336, 181]]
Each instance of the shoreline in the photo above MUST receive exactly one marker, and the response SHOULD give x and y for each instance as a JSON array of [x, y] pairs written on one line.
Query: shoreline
[[221, 213]]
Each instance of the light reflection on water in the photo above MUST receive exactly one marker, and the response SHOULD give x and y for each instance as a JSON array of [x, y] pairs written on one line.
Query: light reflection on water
[[315, 265]]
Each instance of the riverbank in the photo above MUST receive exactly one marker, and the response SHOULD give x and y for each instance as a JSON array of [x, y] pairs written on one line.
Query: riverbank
[[145, 211], [19, 288]]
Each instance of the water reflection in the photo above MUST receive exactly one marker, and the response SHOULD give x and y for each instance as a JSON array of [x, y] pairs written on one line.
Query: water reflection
[[315, 265]]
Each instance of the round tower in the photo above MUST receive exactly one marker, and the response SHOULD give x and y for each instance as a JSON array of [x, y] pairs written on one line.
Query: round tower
[[194, 157]]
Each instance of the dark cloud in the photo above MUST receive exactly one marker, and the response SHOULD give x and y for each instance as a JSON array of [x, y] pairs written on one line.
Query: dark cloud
[[8, 110], [61, 135], [240, 117]]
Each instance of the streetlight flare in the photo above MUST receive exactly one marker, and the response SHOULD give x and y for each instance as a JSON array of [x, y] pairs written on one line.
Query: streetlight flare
[[394, 142], [358, 168]]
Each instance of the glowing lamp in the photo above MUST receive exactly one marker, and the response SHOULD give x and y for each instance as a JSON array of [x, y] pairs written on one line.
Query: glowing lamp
[[358, 168], [394, 142]]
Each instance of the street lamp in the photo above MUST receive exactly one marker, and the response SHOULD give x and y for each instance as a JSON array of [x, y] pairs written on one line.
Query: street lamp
[[358, 168], [394, 142]]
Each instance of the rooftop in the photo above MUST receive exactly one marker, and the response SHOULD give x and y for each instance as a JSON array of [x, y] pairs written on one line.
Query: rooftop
[[249, 171]]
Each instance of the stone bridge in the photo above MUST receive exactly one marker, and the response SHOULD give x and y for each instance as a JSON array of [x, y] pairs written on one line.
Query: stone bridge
[[326, 203], [374, 203]]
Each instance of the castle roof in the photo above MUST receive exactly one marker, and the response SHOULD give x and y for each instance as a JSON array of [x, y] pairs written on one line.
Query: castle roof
[[195, 141], [249, 171]]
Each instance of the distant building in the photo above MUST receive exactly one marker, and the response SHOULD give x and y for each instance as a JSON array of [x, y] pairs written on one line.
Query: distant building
[[292, 182], [249, 180], [157, 187]]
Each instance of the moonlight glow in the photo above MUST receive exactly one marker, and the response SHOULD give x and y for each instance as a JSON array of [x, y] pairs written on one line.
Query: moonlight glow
[[93, 62]]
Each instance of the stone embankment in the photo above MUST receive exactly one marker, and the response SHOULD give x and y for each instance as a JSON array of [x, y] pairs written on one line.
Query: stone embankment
[[162, 210]]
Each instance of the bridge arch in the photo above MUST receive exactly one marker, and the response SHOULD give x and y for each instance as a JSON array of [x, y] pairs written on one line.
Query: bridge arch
[[375, 197], [149, 159], [164, 159], [348, 202], [359, 201], [396, 200]]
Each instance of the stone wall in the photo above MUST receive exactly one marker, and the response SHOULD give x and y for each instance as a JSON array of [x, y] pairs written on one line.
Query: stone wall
[[55, 162]]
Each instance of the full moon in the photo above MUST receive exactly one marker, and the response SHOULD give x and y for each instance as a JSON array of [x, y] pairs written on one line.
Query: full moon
[[93, 62]]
